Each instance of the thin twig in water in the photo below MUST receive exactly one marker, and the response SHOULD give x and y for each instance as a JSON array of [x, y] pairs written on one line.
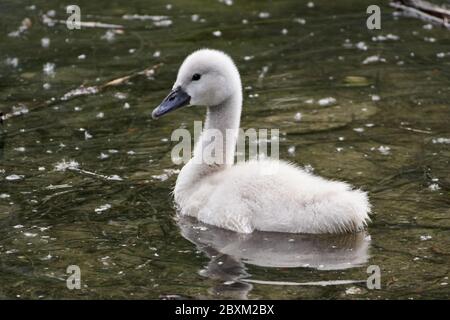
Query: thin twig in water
[[416, 130], [85, 91], [87, 24], [423, 10]]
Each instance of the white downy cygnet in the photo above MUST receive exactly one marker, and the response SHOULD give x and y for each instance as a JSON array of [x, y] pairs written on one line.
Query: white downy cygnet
[[243, 197]]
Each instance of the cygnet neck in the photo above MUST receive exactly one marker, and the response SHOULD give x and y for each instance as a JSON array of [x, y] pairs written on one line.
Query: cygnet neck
[[223, 119]]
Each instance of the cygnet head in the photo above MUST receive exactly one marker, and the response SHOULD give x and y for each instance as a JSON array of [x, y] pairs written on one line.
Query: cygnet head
[[206, 78]]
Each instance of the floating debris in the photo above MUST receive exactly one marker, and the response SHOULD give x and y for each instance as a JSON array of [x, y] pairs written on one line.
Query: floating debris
[[298, 116], [362, 46], [64, 165], [81, 91], [166, 175], [158, 21], [217, 33], [24, 26], [386, 37], [384, 150], [327, 101], [87, 135], [263, 72], [47, 20], [441, 140], [227, 2], [30, 234], [102, 208], [91, 24], [300, 20], [375, 97], [49, 69], [291, 150], [47, 257], [109, 36], [347, 44], [161, 177], [373, 59], [120, 95], [114, 177], [164, 23], [442, 54], [58, 186], [14, 177], [434, 187], [45, 42], [264, 15], [74, 166], [425, 237], [144, 17], [356, 81], [353, 290], [12, 62]]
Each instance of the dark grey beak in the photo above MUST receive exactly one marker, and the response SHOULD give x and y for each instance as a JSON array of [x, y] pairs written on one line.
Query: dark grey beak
[[176, 99]]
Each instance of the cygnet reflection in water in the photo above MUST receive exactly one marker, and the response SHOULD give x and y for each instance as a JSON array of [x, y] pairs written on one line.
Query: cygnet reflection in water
[[229, 253], [282, 250]]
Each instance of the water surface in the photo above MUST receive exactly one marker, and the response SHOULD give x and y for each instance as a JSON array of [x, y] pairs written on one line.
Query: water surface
[[86, 181]]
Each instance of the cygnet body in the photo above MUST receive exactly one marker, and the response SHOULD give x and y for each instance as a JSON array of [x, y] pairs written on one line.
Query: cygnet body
[[265, 195]]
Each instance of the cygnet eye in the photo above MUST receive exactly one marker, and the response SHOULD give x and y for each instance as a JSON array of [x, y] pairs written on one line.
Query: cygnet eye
[[196, 77]]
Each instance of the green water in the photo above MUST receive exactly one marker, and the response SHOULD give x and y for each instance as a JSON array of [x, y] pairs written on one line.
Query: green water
[[121, 232]]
